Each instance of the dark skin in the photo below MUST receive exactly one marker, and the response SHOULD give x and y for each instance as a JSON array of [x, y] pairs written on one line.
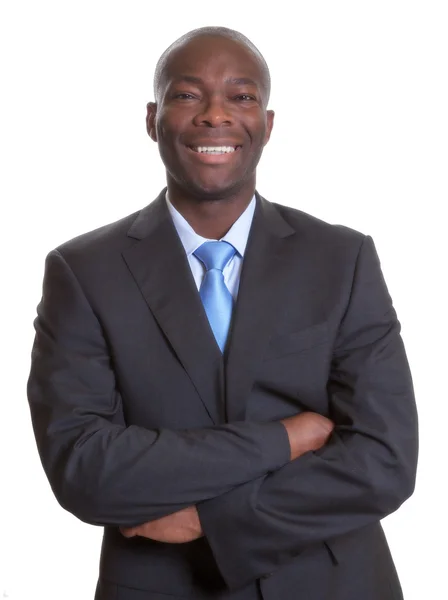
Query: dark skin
[[213, 92]]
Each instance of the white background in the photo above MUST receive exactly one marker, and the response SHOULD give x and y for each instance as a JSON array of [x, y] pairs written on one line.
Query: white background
[[360, 138]]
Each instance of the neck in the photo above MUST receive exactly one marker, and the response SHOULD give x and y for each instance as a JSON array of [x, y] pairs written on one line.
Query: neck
[[210, 218]]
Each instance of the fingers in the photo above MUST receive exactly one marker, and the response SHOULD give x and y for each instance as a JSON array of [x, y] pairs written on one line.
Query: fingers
[[128, 532]]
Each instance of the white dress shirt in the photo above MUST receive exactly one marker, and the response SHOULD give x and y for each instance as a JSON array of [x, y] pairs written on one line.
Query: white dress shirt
[[237, 236]]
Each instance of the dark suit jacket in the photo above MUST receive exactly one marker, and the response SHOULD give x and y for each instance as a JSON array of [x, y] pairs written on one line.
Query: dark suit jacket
[[137, 414]]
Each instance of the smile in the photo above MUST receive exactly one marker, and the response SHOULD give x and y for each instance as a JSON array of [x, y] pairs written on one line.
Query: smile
[[214, 150]]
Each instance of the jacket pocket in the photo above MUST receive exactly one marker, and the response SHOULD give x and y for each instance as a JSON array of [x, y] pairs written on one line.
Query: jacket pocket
[[297, 341]]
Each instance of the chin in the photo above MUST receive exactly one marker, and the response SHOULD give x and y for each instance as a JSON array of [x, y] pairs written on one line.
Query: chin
[[209, 192], [210, 187], [212, 195]]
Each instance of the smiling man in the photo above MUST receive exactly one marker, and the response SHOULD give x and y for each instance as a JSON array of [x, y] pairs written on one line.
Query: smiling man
[[220, 381], [211, 124]]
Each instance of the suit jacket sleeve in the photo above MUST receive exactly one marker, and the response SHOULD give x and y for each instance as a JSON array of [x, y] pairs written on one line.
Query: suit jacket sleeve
[[366, 470], [100, 470]]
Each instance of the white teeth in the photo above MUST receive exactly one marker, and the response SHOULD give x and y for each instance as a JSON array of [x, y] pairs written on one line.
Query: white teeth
[[215, 149]]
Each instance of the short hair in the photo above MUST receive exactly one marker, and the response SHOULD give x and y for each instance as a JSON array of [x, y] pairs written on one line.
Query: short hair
[[211, 32]]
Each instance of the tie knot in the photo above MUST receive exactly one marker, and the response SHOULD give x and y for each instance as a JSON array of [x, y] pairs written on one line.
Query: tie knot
[[215, 255]]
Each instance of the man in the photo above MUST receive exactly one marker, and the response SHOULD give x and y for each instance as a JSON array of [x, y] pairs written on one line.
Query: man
[[220, 381]]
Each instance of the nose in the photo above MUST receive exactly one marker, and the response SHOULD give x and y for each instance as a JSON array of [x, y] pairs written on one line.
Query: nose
[[213, 113]]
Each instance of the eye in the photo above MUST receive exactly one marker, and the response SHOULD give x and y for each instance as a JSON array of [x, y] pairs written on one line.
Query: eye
[[183, 96], [245, 98]]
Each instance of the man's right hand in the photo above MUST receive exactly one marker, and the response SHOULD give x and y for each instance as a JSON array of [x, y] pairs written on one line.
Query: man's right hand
[[307, 431]]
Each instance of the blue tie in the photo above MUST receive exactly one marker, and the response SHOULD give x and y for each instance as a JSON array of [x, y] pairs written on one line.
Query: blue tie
[[215, 296]]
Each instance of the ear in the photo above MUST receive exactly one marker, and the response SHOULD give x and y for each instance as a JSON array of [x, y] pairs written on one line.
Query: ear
[[269, 125], [151, 110]]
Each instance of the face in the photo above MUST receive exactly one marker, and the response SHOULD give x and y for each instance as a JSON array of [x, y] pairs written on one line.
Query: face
[[211, 122]]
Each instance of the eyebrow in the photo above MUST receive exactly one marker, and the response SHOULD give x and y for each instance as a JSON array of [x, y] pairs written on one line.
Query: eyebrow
[[231, 80], [188, 79], [241, 81]]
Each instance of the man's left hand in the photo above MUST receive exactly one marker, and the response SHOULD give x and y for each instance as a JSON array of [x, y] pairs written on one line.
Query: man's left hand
[[177, 528]]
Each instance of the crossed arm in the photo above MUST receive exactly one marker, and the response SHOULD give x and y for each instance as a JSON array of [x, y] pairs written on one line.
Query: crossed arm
[[254, 503], [306, 432]]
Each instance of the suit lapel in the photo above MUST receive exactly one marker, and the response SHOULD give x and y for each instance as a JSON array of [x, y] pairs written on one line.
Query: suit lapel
[[160, 267], [264, 281]]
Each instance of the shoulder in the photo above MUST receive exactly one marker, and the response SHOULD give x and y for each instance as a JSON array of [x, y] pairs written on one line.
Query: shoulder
[[317, 231], [330, 249], [106, 238], [115, 237]]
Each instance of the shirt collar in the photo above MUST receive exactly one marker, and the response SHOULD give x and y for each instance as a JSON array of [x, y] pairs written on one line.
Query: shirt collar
[[237, 235]]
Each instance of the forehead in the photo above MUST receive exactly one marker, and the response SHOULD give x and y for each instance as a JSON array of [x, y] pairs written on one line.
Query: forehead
[[211, 58]]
